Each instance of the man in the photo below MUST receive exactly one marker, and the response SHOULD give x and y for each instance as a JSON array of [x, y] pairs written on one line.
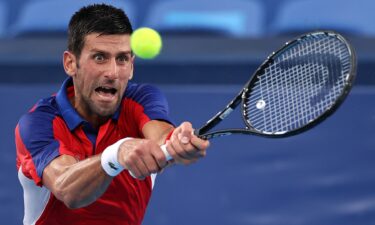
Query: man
[[76, 149]]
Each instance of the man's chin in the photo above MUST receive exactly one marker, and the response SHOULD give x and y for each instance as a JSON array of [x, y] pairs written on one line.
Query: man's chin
[[106, 110]]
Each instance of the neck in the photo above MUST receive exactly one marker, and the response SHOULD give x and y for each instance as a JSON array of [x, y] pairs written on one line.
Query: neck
[[95, 120]]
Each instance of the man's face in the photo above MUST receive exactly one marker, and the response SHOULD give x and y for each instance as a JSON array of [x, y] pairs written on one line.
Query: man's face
[[101, 74]]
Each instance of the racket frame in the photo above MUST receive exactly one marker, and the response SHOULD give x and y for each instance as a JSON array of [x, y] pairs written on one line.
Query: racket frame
[[205, 133]]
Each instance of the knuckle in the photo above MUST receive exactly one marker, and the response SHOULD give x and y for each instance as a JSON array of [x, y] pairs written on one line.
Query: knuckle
[[137, 153], [153, 168], [161, 160], [186, 125], [145, 143], [128, 160]]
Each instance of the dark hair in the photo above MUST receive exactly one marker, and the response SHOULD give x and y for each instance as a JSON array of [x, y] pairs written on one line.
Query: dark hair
[[97, 18]]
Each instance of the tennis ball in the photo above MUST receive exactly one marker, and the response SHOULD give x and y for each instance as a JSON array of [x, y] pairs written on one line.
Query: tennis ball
[[146, 43]]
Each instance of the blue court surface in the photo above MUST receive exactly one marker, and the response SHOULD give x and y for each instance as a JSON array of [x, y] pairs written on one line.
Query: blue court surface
[[324, 176]]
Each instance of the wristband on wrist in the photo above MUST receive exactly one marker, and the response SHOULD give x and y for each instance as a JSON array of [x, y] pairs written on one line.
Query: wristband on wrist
[[109, 159]]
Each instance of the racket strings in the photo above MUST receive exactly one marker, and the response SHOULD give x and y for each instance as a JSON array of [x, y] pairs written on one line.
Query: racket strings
[[299, 86]]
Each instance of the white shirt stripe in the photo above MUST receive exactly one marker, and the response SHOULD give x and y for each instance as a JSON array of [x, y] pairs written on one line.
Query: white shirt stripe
[[35, 199]]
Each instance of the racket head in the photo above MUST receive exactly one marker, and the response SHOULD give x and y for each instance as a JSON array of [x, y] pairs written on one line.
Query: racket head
[[300, 85]]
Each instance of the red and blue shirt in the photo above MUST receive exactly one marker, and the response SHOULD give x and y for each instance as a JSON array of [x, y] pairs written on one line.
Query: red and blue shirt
[[53, 128]]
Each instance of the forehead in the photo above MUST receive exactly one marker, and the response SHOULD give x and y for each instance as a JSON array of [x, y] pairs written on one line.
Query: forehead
[[110, 43]]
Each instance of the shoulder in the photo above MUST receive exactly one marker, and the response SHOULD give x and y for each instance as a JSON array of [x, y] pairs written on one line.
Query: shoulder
[[44, 109], [35, 139], [135, 90], [39, 119], [145, 94], [145, 101]]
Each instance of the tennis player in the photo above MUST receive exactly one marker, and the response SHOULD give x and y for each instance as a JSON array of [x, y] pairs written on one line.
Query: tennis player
[[77, 148]]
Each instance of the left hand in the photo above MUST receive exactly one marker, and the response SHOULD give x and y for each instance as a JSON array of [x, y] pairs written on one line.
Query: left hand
[[185, 147]]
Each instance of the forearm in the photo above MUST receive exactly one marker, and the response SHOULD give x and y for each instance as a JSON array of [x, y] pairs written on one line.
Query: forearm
[[157, 131], [79, 184]]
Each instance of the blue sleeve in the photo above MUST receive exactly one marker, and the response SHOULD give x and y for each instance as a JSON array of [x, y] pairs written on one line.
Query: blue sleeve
[[37, 135], [154, 102]]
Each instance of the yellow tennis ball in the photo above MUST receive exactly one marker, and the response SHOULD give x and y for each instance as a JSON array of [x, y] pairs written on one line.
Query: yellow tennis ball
[[146, 43]]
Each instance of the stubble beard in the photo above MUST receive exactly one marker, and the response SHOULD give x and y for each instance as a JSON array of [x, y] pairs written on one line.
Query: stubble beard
[[101, 111]]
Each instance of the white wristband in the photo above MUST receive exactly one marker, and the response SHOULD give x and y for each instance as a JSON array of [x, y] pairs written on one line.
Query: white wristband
[[109, 160]]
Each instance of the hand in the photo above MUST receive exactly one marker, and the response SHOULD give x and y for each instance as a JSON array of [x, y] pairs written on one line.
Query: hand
[[184, 147], [141, 157]]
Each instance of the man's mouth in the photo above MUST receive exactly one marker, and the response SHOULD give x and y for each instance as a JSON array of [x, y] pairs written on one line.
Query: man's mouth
[[107, 93], [106, 90]]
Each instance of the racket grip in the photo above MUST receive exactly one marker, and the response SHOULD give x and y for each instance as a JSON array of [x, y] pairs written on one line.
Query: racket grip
[[197, 133], [166, 154]]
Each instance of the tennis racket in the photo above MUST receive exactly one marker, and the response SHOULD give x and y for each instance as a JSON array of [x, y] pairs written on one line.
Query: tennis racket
[[296, 88]]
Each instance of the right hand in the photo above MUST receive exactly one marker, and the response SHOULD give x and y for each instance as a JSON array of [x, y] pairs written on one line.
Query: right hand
[[185, 147], [141, 157]]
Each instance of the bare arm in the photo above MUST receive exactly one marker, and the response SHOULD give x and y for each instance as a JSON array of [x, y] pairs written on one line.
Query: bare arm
[[77, 184], [157, 131]]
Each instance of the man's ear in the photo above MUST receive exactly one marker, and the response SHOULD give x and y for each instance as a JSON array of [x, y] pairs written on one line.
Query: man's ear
[[70, 63], [131, 75], [132, 68]]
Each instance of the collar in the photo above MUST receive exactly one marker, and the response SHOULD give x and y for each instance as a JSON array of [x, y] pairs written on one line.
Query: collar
[[68, 112]]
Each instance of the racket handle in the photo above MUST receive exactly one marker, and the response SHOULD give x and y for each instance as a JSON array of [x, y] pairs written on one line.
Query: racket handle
[[197, 133], [166, 154]]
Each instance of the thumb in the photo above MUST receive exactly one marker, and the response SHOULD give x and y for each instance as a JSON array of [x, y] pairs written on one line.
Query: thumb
[[185, 134]]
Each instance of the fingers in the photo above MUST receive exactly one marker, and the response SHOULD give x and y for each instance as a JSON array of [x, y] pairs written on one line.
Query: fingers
[[186, 131], [184, 147], [141, 157], [199, 143]]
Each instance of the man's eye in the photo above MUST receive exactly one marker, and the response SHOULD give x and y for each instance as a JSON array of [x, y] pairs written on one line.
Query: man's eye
[[99, 57], [123, 59]]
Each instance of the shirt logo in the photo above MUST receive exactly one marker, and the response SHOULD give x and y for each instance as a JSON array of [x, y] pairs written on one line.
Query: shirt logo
[[112, 166]]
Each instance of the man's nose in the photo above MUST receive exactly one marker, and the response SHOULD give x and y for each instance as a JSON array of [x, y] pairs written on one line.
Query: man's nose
[[112, 70]]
